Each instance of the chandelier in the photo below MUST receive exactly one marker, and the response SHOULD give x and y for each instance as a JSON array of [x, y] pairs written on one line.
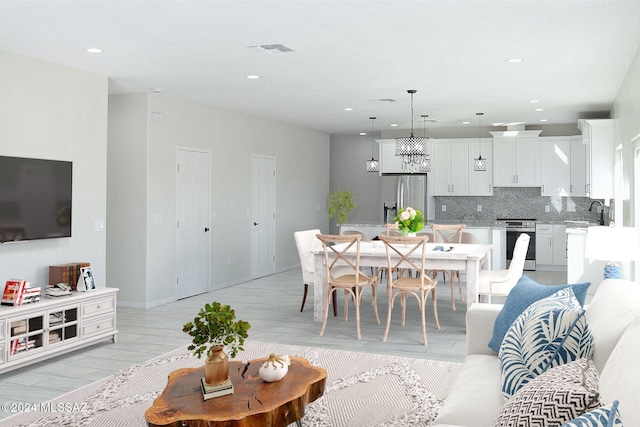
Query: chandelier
[[425, 164], [372, 165], [479, 163], [412, 150]]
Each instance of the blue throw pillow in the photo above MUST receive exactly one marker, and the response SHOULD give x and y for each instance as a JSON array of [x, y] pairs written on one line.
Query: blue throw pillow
[[606, 416], [523, 294]]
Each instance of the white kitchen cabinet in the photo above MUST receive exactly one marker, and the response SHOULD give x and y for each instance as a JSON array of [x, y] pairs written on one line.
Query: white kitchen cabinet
[[36, 331], [551, 247], [481, 183], [516, 159], [555, 157], [449, 166], [598, 136], [579, 167]]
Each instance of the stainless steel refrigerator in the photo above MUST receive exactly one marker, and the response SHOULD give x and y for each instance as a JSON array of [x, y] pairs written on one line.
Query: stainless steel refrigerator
[[401, 191]]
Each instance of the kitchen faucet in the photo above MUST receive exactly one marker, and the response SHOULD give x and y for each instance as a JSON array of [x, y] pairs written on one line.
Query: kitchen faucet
[[601, 210]]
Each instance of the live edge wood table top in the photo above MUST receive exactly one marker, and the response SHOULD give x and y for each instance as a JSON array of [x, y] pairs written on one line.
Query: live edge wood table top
[[254, 403]]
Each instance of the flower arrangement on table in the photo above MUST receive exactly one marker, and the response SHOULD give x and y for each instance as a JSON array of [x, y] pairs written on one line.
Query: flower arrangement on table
[[409, 220]]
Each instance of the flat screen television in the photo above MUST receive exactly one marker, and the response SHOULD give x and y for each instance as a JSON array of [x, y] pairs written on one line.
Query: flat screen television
[[35, 199]]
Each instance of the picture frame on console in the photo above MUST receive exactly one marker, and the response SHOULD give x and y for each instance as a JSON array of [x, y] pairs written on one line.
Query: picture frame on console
[[86, 281]]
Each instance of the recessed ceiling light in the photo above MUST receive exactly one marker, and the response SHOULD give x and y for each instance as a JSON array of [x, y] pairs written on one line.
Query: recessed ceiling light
[[253, 77], [94, 50], [157, 90], [363, 133], [393, 125], [348, 109], [543, 120], [538, 109], [465, 123], [533, 101], [514, 60]]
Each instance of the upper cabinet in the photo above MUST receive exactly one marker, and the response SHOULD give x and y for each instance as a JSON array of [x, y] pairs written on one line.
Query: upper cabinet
[[597, 136], [449, 180], [579, 167], [389, 162], [555, 158], [516, 159]]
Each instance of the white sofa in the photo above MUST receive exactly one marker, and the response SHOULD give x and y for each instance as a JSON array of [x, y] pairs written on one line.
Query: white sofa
[[475, 399]]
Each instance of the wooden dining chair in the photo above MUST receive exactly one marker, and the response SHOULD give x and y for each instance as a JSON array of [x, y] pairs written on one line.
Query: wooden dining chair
[[449, 233], [352, 283], [409, 253]]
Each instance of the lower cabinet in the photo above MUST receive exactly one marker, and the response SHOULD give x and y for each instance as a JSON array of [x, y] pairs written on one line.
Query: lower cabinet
[[50, 327], [551, 247]]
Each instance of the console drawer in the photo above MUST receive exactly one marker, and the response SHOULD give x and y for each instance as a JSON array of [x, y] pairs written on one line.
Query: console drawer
[[98, 306], [98, 326]]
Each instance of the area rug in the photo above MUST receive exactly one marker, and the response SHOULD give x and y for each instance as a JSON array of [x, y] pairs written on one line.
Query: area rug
[[362, 389]]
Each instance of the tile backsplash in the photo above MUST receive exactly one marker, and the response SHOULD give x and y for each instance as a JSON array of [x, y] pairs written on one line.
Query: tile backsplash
[[521, 202]]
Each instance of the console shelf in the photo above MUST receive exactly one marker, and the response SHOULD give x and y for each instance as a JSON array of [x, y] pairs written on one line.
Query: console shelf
[[53, 326]]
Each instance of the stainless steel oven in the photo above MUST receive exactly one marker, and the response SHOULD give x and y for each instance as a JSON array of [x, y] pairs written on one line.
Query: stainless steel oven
[[514, 228]]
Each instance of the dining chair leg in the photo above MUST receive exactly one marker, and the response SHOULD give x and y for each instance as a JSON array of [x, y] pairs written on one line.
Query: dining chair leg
[[390, 306], [403, 303], [423, 303], [356, 300], [326, 310], [304, 296], [460, 286], [374, 302], [346, 304], [335, 304], [453, 290], [435, 306]]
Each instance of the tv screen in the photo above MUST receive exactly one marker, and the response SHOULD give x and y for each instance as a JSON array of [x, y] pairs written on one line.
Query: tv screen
[[35, 199]]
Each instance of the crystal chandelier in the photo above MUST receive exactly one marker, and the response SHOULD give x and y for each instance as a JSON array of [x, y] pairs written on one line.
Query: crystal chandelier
[[372, 165], [479, 163], [413, 150]]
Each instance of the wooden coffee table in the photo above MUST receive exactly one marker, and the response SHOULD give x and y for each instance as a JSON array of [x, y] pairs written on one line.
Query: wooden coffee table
[[254, 403]]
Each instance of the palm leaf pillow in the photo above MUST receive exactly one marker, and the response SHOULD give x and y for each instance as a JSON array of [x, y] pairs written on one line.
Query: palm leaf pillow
[[550, 332]]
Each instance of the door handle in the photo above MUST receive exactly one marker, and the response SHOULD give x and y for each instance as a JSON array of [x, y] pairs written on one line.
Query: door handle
[[206, 229], [256, 223]]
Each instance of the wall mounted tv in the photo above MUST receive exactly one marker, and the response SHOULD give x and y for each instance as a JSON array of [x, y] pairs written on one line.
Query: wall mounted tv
[[35, 199]]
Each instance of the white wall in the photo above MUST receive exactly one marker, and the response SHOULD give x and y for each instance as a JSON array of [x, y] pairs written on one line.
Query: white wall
[[302, 162], [55, 112]]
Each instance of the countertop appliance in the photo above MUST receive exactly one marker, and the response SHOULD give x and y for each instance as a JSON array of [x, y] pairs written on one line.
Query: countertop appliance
[[515, 226]]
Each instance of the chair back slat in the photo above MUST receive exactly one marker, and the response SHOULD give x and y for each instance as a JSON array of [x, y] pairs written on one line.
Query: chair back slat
[[447, 233], [339, 258], [404, 248]]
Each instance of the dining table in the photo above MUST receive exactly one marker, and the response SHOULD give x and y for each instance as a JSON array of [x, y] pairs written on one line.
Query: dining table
[[465, 256]]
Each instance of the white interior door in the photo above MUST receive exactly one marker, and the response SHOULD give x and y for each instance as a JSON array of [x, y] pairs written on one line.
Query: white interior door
[[192, 221], [264, 216]]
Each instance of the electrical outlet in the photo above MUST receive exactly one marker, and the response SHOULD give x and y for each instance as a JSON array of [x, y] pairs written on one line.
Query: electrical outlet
[[547, 208], [444, 208], [479, 208]]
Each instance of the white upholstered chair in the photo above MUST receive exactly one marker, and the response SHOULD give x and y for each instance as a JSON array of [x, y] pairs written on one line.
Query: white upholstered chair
[[499, 282], [307, 242]]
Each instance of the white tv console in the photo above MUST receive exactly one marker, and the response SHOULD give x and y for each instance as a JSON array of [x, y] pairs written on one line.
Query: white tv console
[[52, 326]]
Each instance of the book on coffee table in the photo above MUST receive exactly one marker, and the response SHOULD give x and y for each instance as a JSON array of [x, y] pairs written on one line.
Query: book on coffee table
[[211, 391]]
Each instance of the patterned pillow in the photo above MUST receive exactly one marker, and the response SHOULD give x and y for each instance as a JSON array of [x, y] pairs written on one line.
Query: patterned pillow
[[523, 294], [553, 398], [550, 332], [606, 416]]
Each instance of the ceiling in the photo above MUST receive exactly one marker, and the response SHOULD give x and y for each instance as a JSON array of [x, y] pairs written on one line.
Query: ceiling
[[347, 54]]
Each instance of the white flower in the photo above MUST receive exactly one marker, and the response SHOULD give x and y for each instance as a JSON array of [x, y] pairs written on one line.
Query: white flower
[[411, 211], [405, 215]]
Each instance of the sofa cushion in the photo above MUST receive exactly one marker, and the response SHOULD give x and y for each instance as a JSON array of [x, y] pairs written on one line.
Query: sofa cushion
[[606, 416], [474, 398], [613, 307], [621, 375], [523, 294], [552, 331], [553, 398]]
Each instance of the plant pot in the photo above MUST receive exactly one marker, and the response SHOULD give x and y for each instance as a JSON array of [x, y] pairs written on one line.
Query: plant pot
[[216, 368], [411, 234]]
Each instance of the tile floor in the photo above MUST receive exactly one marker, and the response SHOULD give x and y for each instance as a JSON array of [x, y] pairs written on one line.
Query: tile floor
[[272, 305]]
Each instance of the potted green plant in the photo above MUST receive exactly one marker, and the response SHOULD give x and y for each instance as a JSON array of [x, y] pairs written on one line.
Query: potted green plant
[[341, 203], [214, 328]]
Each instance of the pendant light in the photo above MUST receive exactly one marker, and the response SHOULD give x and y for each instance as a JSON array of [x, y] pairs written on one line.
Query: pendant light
[[372, 165], [479, 163], [425, 165], [412, 149]]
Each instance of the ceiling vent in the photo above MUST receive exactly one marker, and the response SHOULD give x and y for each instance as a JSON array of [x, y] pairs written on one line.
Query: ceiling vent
[[383, 100], [271, 48]]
